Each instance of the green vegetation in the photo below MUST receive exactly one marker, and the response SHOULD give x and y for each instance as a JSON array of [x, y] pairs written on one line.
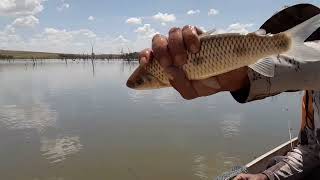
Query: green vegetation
[[9, 55], [27, 55]]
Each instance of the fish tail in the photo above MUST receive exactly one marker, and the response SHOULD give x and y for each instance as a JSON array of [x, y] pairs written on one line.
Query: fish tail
[[298, 34]]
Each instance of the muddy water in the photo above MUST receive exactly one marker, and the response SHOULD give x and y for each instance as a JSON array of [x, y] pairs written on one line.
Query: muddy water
[[63, 121]]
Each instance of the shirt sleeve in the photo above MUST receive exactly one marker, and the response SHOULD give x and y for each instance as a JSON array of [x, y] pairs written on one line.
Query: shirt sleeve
[[290, 75], [297, 164]]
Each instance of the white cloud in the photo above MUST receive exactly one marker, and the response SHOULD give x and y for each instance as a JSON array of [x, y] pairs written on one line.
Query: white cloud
[[164, 18], [235, 28], [9, 40], [121, 39], [192, 12], [91, 18], [213, 12], [134, 20], [20, 7], [26, 21], [61, 40], [65, 41], [239, 28], [146, 31], [63, 6], [202, 28]]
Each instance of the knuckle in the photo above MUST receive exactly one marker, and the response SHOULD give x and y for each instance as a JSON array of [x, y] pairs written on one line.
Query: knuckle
[[191, 40], [174, 29], [155, 37], [160, 50], [175, 38], [159, 41], [187, 27]]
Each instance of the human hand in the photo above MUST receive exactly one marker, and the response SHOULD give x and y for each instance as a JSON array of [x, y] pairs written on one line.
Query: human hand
[[251, 177], [171, 52]]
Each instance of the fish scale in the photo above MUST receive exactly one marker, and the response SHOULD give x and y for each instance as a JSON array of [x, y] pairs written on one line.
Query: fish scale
[[222, 53], [226, 52]]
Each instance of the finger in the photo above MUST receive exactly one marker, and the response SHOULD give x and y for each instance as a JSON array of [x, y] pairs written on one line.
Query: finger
[[160, 50], [145, 56], [191, 39], [176, 47], [181, 83], [240, 177]]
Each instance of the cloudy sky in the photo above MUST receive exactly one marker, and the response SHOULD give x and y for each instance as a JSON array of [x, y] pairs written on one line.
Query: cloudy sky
[[71, 25]]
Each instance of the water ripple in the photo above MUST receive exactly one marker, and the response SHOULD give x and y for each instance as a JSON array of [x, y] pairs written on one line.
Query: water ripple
[[57, 150], [230, 125], [200, 167], [38, 116], [138, 96]]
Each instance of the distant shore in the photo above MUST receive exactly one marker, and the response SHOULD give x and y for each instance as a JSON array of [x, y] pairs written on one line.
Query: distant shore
[[29, 55]]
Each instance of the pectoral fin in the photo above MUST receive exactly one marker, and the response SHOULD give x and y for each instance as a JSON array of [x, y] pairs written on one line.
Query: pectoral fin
[[264, 66]]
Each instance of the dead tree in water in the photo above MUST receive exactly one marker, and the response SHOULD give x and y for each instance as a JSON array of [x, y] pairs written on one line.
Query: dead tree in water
[[34, 62], [92, 57]]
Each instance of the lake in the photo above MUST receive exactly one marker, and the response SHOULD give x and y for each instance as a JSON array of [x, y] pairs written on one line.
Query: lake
[[64, 122]]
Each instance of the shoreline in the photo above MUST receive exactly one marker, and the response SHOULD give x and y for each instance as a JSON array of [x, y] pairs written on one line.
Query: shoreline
[[8, 55]]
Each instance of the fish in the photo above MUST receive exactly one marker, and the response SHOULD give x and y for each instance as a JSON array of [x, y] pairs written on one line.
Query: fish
[[221, 53]]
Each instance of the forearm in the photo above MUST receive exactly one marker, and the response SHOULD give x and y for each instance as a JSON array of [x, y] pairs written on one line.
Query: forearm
[[295, 165], [299, 76]]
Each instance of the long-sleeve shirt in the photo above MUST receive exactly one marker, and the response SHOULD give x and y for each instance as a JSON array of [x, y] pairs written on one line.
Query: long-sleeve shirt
[[298, 76]]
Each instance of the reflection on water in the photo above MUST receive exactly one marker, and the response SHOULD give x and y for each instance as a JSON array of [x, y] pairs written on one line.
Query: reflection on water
[[57, 150], [80, 126], [35, 116], [138, 96], [162, 96], [200, 167], [228, 161], [230, 125]]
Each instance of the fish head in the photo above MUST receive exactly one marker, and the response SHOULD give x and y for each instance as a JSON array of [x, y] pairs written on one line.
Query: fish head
[[141, 79]]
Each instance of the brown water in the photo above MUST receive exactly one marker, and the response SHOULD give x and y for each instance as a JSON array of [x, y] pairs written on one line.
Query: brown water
[[64, 122]]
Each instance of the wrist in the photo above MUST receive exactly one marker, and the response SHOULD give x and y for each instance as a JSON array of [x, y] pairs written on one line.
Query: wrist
[[234, 80]]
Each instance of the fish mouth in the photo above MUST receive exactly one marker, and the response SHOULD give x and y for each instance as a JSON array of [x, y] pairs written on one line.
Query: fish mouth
[[135, 77], [140, 79]]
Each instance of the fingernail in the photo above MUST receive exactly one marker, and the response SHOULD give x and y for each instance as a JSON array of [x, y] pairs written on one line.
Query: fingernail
[[143, 60], [155, 36], [174, 29], [193, 48]]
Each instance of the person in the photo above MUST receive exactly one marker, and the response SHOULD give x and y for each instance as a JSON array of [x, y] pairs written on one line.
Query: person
[[246, 85]]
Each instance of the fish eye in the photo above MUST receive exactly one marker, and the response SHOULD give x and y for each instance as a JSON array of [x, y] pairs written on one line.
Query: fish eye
[[139, 81]]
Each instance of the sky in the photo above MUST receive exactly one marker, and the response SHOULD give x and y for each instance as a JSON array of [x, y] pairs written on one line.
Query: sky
[[112, 26]]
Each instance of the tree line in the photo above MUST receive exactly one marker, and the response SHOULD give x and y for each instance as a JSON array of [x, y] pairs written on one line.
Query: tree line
[[6, 57], [126, 56]]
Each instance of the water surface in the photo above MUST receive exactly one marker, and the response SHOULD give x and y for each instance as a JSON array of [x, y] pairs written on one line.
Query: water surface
[[63, 122]]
